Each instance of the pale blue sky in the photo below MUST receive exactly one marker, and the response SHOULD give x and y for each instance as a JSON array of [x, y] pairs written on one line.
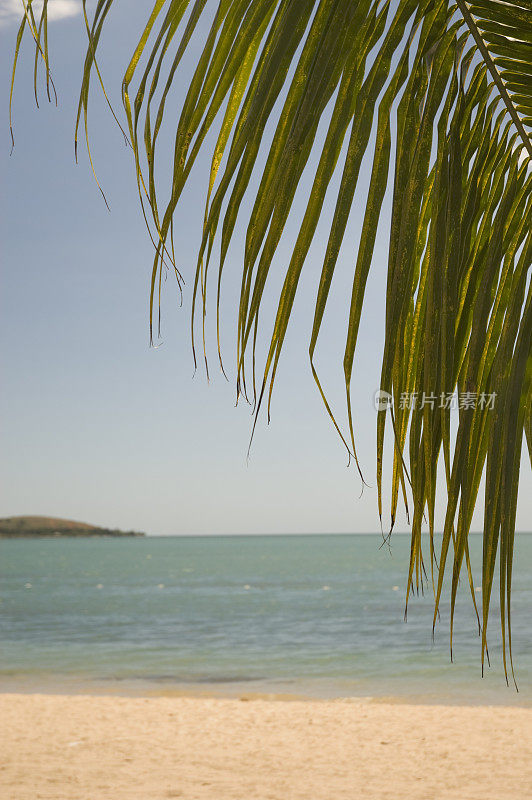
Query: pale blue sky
[[95, 424]]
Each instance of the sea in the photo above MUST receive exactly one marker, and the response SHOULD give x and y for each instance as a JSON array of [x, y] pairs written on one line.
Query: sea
[[317, 616]]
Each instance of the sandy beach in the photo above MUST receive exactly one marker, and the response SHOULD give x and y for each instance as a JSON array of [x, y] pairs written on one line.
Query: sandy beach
[[100, 747]]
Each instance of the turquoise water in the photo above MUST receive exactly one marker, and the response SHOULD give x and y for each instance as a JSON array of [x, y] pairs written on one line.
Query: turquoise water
[[304, 615]]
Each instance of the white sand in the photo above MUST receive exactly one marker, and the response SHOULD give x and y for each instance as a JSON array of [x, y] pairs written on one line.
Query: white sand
[[96, 748]]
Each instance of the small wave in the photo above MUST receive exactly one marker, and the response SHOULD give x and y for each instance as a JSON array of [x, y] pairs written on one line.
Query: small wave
[[203, 679]]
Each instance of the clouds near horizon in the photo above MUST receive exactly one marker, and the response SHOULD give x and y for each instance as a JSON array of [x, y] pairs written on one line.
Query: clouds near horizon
[[11, 11]]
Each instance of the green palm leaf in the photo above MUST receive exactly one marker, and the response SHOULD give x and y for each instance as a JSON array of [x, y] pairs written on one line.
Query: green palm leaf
[[441, 92]]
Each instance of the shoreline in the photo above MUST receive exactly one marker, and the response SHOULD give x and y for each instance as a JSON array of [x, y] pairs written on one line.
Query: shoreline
[[235, 691], [321, 690], [66, 747]]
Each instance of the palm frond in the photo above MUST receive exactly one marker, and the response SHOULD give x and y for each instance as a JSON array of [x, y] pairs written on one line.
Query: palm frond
[[439, 96]]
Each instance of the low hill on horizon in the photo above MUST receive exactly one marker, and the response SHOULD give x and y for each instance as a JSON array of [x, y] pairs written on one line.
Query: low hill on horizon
[[32, 526]]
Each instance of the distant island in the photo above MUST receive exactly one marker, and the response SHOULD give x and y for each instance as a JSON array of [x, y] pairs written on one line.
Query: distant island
[[28, 527]]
